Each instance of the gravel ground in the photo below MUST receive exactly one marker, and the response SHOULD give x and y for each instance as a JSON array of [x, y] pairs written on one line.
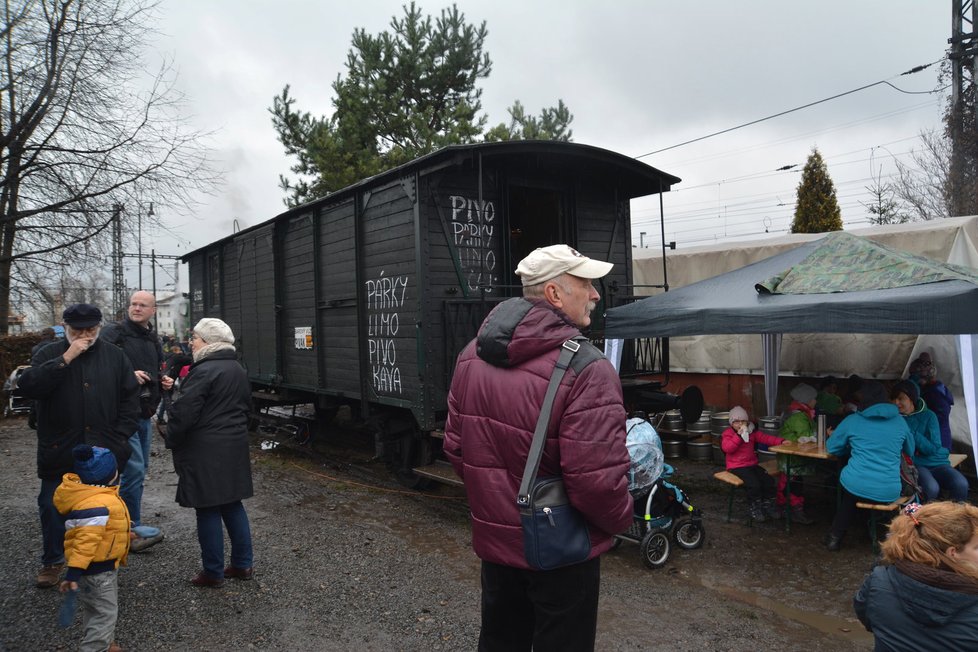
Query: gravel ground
[[345, 559]]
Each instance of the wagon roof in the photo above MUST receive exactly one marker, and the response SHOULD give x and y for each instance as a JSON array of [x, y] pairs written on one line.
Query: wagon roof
[[635, 178]]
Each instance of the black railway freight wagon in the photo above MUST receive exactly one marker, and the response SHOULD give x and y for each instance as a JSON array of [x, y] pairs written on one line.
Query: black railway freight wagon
[[366, 297]]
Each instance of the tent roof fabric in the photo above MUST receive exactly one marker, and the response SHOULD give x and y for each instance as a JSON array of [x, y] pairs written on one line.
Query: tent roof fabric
[[729, 303], [843, 262]]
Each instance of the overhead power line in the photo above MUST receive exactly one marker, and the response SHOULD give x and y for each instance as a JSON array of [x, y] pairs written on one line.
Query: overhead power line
[[799, 108]]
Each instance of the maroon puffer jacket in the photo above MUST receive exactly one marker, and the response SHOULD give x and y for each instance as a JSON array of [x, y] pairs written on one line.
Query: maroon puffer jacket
[[495, 400]]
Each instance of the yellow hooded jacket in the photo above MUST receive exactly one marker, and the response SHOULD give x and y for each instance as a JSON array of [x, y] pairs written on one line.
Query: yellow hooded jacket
[[96, 523]]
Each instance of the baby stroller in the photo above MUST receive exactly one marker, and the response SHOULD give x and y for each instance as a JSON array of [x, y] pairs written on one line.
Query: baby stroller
[[16, 403], [663, 513]]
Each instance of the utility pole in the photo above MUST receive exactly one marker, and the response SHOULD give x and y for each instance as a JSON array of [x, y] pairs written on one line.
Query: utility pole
[[119, 297], [963, 118], [139, 236]]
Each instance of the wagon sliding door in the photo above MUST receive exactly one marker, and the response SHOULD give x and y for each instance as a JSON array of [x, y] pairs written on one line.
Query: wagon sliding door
[[336, 338], [297, 337], [256, 273], [389, 291]]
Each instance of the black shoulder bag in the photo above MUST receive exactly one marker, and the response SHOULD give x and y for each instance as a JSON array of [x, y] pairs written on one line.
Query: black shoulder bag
[[554, 533]]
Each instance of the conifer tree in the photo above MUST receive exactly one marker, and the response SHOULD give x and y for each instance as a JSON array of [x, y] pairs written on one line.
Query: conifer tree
[[407, 92], [817, 209]]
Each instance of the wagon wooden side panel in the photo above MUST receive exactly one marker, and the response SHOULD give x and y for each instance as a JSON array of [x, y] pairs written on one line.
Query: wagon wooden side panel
[[256, 273], [231, 308], [389, 293], [463, 256], [337, 307], [297, 316]]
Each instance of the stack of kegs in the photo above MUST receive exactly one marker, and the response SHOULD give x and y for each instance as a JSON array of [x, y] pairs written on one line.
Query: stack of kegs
[[673, 421], [771, 425], [673, 448], [699, 427], [719, 421], [700, 450]]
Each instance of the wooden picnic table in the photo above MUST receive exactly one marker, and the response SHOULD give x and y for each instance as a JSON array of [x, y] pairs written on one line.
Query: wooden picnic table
[[793, 449]]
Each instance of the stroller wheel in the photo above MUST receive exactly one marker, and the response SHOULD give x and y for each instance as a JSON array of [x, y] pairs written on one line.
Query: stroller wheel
[[689, 534], [655, 548]]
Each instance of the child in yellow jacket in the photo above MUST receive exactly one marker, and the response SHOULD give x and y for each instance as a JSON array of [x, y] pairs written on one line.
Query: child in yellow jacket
[[97, 534]]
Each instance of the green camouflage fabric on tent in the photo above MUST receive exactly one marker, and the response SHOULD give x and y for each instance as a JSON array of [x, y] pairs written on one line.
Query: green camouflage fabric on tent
[[846, 263]]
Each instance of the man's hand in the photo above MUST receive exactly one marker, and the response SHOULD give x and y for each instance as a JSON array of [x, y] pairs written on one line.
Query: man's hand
[[166, 382], [142, 377], [79, 346], [66, 586]]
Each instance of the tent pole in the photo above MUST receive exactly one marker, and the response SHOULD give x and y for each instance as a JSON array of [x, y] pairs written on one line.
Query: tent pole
[[771, 346], [662, 231], [967, 349]]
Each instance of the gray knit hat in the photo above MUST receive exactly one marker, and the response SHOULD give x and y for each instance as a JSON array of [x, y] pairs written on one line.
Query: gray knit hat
[[804, 393], [213, 330], [738, 413]]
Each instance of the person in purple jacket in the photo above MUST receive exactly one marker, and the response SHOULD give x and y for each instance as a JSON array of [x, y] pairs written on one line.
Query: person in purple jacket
[[935, 394], [738, 443], [495, 399]]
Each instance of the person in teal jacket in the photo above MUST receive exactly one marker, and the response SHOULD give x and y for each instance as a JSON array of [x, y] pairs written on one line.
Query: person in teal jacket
[[933, 464], [873, 438]]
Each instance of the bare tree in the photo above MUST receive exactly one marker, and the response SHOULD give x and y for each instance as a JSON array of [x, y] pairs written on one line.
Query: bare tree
[[924, 187], [82, 129]]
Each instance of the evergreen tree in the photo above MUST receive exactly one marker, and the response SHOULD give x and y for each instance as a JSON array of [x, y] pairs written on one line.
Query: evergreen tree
[[817, 209], [884, 208], [407, 92]]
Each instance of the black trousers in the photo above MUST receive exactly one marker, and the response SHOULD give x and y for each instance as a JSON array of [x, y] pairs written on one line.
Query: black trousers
[[757, 482], [847, 511], [554, 610]]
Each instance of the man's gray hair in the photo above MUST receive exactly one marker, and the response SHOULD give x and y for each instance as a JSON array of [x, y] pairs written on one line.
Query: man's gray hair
[[536, 291]]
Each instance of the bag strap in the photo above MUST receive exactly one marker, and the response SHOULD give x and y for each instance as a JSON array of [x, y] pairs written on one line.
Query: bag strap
[[568, 349]]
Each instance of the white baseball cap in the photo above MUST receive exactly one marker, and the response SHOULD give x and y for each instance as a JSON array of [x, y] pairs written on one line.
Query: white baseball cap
[[550, 262]]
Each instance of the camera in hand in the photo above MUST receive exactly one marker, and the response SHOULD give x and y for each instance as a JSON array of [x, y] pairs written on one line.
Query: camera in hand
[[146, 389]]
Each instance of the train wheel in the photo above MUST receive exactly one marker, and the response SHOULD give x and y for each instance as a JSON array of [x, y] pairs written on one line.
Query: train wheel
[[689, 534], [655, 548]]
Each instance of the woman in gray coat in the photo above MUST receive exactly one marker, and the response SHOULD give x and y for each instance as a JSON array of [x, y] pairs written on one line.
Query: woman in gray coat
[[207, 430]]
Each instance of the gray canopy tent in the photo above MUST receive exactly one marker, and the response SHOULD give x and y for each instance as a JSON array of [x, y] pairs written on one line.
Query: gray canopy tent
[[837, 284]]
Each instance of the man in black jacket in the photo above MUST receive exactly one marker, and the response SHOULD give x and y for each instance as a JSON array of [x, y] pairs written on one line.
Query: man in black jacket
[[138, 339], [85, 393]]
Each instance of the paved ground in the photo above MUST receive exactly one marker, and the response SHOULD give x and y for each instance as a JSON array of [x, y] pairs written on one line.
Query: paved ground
[[346, 560]]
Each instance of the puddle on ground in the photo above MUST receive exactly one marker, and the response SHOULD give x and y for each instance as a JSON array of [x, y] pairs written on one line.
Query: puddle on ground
[[838, 627]]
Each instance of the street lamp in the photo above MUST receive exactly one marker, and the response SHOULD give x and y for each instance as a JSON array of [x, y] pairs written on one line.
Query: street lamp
[[139, 236]]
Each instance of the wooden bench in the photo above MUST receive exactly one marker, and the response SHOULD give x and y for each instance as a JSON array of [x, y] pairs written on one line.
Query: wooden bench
[[877, 511], [771, 467]]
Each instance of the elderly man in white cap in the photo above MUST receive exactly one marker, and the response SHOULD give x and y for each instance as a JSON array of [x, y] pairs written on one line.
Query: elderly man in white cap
[[495, 399]]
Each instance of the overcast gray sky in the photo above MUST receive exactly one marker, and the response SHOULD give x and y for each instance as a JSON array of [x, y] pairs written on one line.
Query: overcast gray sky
[[637, 75]]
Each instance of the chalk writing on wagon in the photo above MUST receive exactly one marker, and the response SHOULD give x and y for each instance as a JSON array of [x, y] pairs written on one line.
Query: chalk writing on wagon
[[385, 296], [473, 230]]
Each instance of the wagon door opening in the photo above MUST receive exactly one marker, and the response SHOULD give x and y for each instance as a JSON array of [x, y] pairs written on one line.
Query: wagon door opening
[[536, 219]]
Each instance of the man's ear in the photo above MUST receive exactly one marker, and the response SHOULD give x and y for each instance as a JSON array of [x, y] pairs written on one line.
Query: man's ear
[[551, 292], [952, 552]]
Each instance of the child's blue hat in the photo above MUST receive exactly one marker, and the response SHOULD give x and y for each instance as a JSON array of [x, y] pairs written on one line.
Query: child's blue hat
[[93, 464]]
